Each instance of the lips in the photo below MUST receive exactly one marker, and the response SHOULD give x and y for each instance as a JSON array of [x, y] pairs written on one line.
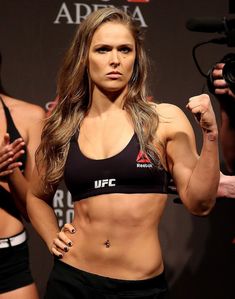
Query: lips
[[114, 75]]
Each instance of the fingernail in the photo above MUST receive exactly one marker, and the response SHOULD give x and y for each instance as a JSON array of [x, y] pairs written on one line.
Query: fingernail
[[66, 249], [60, 256], [70, 244], [73, 230]]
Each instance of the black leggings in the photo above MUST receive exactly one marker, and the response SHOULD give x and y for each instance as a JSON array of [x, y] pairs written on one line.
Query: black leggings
[[67, 282]]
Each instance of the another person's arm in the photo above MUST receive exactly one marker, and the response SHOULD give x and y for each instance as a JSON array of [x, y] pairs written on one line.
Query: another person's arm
[[226, 186], [11, 152], [226, 100]]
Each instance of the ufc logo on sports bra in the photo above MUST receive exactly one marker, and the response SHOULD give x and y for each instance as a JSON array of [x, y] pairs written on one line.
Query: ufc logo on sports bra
[[105, 183]]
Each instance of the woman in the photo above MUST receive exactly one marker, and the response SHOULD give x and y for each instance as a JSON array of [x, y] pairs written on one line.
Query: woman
[[116, 150], [20, 135]]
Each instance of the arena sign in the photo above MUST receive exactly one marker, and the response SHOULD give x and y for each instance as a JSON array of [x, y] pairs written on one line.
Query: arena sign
[[63, 206], [79, 11]]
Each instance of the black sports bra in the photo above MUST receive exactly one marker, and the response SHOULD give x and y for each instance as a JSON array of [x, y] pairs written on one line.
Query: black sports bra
[[127, 172]]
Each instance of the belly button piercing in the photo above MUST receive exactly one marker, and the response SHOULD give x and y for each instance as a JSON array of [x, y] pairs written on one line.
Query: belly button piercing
[[107, 243]]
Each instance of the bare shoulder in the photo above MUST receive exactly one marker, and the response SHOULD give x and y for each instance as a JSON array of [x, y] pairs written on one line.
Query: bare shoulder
[[168, 110], [35, 111], [24, 109], [172, 119], [170, 113]]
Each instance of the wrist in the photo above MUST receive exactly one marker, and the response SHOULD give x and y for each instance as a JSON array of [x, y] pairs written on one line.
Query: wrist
[[7, 177], [11, 175], [211, 135]]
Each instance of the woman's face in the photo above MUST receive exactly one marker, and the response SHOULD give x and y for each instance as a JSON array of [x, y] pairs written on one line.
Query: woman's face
[[111, 57]]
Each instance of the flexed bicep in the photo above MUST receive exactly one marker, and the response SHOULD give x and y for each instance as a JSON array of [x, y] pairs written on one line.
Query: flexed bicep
[[181, 150]]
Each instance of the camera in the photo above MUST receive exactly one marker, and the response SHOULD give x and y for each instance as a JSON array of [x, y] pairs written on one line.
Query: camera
[[228, 73]]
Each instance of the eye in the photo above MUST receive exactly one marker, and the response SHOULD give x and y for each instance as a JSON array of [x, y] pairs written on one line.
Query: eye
[[102, 50], [125, 50]]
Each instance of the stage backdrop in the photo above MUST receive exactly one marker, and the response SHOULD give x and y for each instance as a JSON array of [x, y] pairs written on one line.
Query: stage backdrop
[[198, 252]]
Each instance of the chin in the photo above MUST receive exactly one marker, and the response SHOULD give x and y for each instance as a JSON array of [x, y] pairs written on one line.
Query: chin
[[113, 89]]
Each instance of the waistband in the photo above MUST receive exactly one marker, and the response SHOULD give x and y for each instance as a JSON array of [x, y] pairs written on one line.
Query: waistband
[[111, 284], [14, 240]]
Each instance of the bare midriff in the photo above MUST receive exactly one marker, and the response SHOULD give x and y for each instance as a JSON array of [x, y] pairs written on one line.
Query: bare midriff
[[117, 235], [9, 225]]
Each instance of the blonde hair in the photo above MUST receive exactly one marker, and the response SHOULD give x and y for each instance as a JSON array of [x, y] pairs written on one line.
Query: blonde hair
[[74, 96]]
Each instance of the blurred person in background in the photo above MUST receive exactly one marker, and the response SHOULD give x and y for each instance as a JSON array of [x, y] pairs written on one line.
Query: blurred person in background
[[20, 132]]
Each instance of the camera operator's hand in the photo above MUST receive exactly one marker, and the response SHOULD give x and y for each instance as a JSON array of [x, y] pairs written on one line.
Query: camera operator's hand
[[220, 85], [226, 186]]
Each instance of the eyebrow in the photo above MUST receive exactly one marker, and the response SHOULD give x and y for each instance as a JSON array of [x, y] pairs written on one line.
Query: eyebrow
[[108, 45]]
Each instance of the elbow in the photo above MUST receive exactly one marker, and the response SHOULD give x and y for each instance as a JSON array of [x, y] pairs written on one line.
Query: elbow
[[202, 209], [201, 212]]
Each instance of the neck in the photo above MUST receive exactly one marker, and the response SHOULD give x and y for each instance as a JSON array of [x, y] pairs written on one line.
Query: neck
[[107, 101]]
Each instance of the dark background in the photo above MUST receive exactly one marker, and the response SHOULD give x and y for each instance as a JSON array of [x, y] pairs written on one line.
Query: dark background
[[198, 252]]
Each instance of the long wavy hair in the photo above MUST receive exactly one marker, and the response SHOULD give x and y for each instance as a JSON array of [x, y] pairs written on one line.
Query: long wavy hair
[[74, 97]]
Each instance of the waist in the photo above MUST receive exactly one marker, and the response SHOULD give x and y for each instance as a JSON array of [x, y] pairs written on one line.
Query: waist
[[115, 253], [10, 223], [108, 283], [14, 240]]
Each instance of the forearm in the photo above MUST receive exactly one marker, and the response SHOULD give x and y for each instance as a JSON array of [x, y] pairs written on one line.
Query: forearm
[[43, 218], [227, 138], [203, 184]]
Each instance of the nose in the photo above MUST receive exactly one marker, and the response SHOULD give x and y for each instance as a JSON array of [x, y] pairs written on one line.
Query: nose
[[114, 58]]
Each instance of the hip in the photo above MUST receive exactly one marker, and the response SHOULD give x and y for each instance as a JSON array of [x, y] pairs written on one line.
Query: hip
[[74, 282], [137, 260]]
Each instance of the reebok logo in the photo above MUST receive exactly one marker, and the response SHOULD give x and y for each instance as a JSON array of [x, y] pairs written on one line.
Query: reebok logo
[[143, 161], [105, 182]]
